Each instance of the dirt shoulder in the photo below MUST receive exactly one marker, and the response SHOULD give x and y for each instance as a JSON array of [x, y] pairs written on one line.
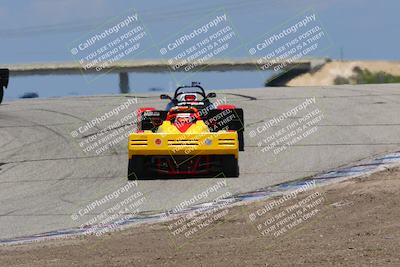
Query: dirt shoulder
[[352, 223]]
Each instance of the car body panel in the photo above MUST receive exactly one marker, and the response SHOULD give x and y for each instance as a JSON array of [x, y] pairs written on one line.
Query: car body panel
[[196, 140]]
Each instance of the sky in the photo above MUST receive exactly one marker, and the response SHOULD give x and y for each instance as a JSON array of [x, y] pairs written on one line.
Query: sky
[[45, 31]]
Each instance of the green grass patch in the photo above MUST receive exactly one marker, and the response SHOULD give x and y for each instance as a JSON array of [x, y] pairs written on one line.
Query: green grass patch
[[364, 76]]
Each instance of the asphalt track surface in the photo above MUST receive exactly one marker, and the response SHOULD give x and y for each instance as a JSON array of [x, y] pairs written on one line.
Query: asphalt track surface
[[45, 177]]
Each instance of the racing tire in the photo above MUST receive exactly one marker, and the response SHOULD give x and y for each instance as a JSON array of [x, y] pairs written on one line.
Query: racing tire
[[1, 94], [230, 166], [241, 140], [136, 168]]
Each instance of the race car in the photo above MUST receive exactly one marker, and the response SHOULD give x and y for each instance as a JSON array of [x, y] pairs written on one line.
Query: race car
[[182, 145], [4, 76], [218, 116], [192, 138]]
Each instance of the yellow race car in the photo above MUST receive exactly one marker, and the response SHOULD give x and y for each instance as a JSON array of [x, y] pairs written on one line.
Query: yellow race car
[[182, 145]]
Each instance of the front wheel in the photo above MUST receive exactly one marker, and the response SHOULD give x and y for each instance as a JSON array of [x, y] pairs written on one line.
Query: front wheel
[[230, 166], [137, 169]]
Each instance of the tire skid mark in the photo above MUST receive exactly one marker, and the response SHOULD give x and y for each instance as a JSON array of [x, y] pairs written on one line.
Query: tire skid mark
[[65, 158], [113, 149], [107, 130], [33, 125], [322, 97], [9, 213], [15, 181], [66, 140], [251, 98], [64, 114], [25, 145]]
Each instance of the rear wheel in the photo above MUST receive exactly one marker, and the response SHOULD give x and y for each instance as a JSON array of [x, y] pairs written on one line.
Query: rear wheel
[[230, 166], [137, 169], [241, 141]]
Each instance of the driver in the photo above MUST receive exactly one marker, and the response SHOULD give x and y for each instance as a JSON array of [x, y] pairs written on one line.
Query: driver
[[182, 98]]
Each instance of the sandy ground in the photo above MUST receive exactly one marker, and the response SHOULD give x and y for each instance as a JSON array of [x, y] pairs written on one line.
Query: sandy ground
[[352, 223], [327, 74]]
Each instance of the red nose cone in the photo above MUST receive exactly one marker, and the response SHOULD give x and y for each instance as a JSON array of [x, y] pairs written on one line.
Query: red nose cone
[[182, 127]]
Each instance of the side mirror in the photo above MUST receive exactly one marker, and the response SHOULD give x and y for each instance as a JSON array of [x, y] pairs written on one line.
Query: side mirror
[[165, 97], [211, 95]]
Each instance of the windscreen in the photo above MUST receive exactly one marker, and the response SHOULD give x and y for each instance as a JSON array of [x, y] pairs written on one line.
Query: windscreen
[[195, 90]]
